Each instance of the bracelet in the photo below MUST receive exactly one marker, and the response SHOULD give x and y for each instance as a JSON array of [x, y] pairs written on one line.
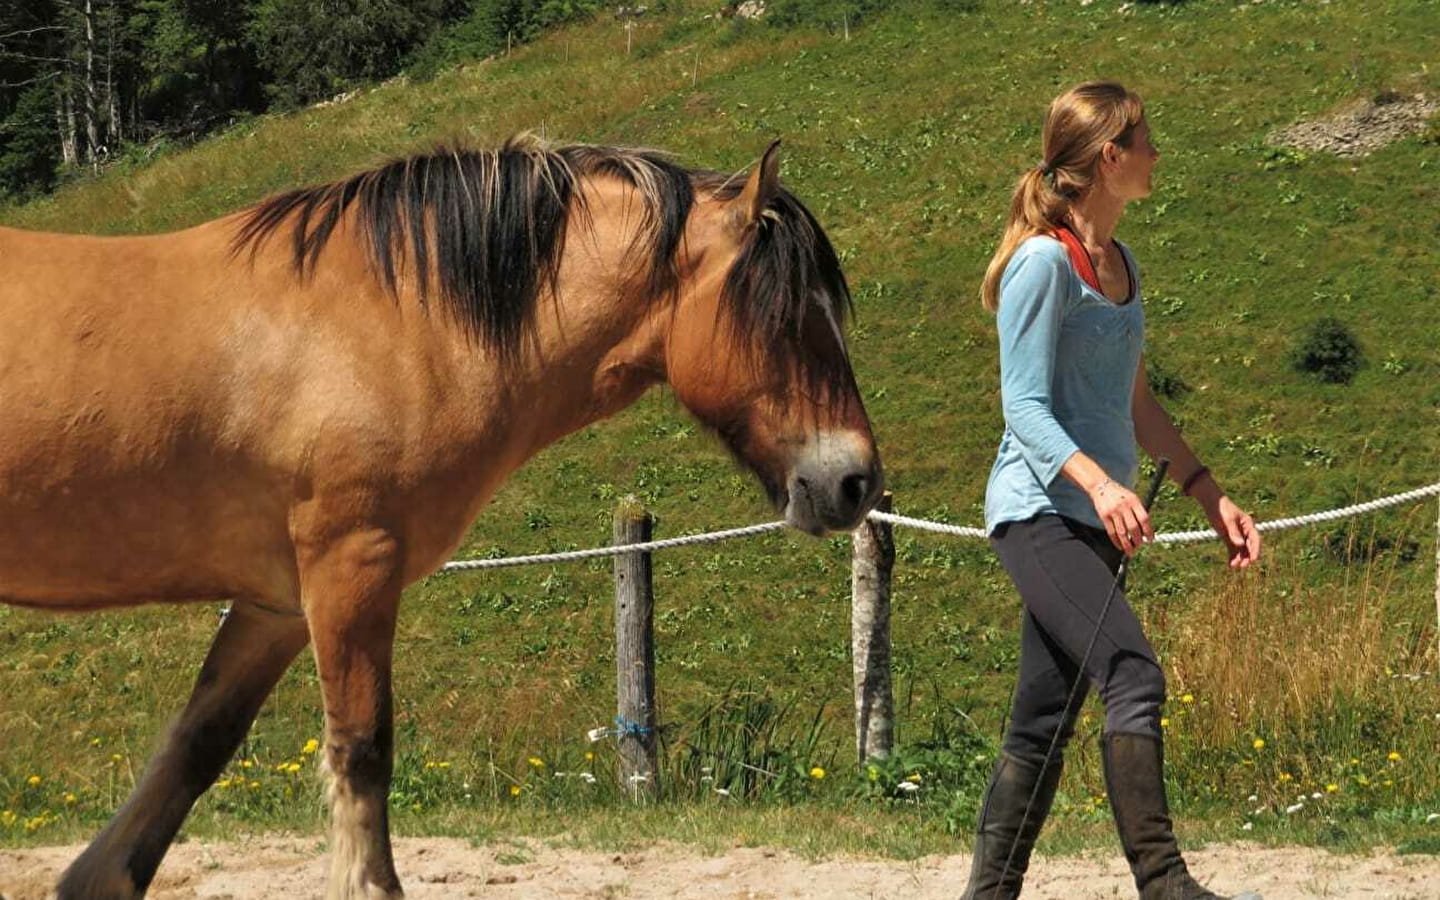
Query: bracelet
[[1194, 477]]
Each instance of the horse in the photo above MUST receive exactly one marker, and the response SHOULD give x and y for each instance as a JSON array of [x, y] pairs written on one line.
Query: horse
[[301, 408]]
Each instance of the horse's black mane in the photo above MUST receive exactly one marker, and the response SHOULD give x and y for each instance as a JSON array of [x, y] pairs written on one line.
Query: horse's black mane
[[485, 229]]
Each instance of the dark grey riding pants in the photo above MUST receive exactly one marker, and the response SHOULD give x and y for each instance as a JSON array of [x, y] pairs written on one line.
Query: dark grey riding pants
[[1063, 570]]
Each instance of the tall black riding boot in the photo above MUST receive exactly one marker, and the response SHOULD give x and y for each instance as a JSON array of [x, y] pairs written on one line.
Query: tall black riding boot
[[1011, 785], [1134, 777]]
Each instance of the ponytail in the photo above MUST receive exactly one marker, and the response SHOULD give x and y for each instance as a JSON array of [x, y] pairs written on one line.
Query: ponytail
[[1036, 207]]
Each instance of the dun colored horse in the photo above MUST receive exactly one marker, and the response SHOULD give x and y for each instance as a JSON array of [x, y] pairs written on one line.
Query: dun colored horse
[[302, 408]]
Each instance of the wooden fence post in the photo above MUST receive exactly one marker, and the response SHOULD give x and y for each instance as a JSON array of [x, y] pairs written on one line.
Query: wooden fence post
[[873, 561], [635, 653]]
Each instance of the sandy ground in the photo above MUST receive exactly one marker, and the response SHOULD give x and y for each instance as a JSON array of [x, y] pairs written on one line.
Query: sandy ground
[[294, 869]]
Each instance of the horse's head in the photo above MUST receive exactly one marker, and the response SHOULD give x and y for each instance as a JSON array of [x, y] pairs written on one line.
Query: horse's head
[[755, 349]]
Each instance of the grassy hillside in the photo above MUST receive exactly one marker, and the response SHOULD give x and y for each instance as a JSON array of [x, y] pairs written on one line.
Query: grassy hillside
[[905, 140]]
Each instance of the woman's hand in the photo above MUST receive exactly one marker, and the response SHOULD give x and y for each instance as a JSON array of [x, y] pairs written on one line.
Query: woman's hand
[[1125, 517], [1236, 529]]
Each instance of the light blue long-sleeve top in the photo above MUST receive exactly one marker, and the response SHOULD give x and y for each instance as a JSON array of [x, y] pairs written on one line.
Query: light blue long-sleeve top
[[1068, 360]]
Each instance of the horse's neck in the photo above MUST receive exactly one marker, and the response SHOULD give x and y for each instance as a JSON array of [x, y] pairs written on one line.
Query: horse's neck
[[589, 356]]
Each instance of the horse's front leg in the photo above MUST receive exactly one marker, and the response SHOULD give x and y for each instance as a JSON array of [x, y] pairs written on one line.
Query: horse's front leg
[[252, 649], [351, 592]]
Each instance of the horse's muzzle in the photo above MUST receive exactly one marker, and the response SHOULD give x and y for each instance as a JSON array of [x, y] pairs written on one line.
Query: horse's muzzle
[[835, 482]]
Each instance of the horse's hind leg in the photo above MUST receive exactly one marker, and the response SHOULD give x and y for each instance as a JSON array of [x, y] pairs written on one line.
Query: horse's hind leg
[[351, 593], [251, 651]]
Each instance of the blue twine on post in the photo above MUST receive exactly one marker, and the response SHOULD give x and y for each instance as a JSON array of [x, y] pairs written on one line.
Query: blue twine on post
[[626, 728], [623, 728]]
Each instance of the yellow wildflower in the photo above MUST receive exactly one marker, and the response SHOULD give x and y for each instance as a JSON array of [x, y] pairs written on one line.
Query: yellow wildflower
[[1393, 756], [33, 780], [589, 755], [1331, 788], [514, 790], [1259, 744], [1188, 698], [310, 747], [537, 762], [69, 798], [254, 785], [914, 779], [1164, 723], [817, 773], [1284, 777]]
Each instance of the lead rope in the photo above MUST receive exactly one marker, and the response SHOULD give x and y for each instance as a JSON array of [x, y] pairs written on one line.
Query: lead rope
[[1154, 490]]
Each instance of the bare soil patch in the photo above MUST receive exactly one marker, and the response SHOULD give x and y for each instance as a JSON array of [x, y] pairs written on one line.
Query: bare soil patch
[[294, 868], [1362, 127]]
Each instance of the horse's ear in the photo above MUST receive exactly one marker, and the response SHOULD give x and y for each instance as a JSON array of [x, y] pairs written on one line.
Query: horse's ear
[[761, 188]]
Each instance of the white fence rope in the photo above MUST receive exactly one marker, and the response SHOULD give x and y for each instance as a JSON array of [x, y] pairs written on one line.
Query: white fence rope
[[1326, 516], [1175, 537], [711, 538]]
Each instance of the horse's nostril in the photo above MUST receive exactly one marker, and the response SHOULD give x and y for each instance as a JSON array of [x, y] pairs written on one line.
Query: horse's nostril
[[854, 488]]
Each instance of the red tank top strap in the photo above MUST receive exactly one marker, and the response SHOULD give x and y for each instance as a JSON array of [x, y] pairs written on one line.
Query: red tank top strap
[[1079, 259]]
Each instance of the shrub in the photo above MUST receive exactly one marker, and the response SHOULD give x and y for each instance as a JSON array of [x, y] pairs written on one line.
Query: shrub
[[1164, 382], [1329, 351]]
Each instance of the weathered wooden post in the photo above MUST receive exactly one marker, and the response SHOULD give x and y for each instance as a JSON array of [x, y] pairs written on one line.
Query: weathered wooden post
[[635, 653], [873, 561]]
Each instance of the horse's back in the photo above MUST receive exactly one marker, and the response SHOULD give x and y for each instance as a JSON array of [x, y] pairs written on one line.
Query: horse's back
[[116, 481]]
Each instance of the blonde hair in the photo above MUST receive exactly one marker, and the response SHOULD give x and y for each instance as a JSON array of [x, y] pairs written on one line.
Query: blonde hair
[[1077, 126]]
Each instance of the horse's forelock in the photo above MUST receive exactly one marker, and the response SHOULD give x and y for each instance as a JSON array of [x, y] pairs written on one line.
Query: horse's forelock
[[786, 271]]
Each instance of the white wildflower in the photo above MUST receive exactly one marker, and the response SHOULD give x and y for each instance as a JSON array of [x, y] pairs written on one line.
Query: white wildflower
[[908, 787], [1291, 810]]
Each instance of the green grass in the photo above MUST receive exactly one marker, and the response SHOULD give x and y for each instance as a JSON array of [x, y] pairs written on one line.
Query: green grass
[[905, 141]]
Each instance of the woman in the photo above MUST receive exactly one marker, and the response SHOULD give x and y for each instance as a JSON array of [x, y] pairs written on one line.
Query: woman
[[1058, 506]]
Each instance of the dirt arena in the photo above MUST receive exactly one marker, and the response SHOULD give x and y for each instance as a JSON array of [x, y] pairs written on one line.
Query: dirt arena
[[294, 869]]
